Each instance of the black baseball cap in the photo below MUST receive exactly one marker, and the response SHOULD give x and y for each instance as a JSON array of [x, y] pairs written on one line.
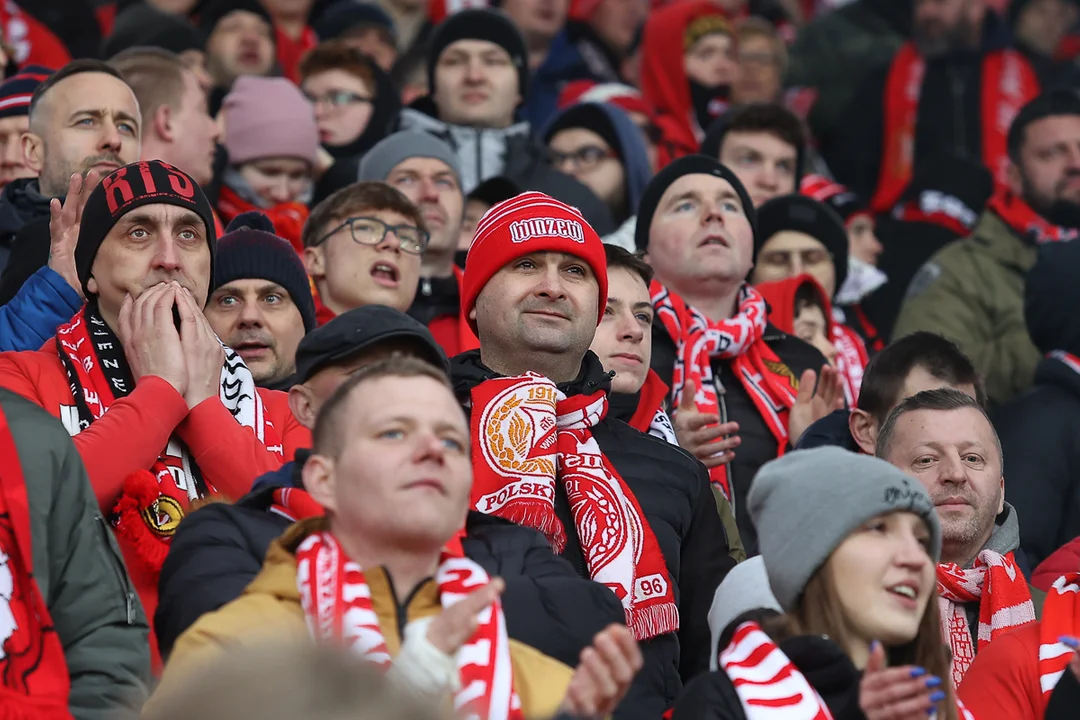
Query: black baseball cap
[[363, 329]]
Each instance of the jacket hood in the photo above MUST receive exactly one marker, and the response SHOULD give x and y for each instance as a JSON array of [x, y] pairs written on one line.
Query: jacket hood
[[20, 202], [664, 82], [780, 295], [827, 668], [1052, 296], [385, 110], [466, 372], [1054, 372], [1006, 535], [631, 144]]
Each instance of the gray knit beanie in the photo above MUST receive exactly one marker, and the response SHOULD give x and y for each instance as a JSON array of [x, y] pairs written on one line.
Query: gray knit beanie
[[744, 588], [807, 502], [395, 149]]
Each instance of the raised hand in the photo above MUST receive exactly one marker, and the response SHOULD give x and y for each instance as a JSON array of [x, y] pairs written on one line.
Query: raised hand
[[814, 401], [151, 343], [702, 434], [456, 624], [901, 693], [603, 676], [201, 350], [64, 221]]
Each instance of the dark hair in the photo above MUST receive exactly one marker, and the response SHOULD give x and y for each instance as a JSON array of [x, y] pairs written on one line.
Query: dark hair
[[807, 295], [75, 67], [338, 55], [885, 374], [943, 399], [354, 199], [617, 257], [327, 435], [1061, 101], [771, 118], [155, 75]]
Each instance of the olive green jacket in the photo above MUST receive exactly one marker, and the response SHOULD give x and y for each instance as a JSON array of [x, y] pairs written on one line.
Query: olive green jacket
[[972, 292]]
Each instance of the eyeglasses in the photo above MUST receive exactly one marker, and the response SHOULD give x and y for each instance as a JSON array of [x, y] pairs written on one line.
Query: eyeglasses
[[585, 158], [338, 98], [372, 231]]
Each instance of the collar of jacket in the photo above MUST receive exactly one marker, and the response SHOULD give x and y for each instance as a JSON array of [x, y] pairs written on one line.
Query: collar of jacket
[[422, 115], [827, 668], [1001, 243], [1051, 371], [1006, 534], [466, 372]]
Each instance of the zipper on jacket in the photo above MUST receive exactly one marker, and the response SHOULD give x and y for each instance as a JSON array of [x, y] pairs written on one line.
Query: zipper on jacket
[[957, 87], [120, 572], [479, 157], [721, 393], [402, 609]]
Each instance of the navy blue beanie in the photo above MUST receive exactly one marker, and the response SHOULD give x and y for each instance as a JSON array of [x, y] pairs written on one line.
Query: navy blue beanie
[[249, 249]]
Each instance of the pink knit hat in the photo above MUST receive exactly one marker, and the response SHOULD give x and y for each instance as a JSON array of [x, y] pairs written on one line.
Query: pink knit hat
[[268, 117]]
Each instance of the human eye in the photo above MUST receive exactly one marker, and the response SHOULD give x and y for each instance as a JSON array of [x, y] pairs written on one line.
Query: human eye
[[924, 461], [394, 433], [452, 443], [731, 206], [644, 318], [139, 233], [685, 206], [272, 298], [576, 270], [227, 301], [973, 458], [127, 127], [525, 264]]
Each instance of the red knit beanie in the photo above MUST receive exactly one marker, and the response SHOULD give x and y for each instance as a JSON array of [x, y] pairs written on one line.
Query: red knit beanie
[[528, 223]]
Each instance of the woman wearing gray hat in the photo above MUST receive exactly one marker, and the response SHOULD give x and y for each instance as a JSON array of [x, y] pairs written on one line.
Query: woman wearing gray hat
[[849, 545]]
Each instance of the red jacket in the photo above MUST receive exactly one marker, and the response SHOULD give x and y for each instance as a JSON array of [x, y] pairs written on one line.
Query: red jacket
[[133, 432], [1003, 680]]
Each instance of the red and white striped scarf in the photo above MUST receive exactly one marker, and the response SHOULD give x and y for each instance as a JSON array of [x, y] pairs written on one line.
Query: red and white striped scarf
[[1061, 616], [768, 684], [338, 607], [851, 360], [526, 436], [771, 384], [1004, 604]]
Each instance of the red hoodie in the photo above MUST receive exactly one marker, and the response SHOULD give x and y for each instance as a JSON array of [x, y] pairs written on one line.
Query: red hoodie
[[663, 77]]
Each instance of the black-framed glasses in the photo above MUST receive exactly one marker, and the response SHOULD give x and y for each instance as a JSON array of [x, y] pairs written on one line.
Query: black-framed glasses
[[338, 98], [372, 231], [586, 157]]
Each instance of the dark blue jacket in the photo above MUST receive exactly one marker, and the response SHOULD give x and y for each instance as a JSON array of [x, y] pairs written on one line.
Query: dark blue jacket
[[31, 318], [562, 65], [219, 549], [831, 430]]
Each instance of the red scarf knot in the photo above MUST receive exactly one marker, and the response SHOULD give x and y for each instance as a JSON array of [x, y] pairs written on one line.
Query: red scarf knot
[[1027, 223], [527, 436], [995, 582], [338, 606], [771, 384]]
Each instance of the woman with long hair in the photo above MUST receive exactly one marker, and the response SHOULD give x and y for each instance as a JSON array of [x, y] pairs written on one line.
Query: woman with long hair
[[849, 545]]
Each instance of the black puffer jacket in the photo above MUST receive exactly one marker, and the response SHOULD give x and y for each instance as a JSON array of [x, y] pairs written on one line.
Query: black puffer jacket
[[673, 491], [758, 444], [219, 549], [820, 660], [20, 203]]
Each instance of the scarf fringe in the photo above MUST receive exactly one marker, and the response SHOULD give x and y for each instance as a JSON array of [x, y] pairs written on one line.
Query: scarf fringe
[[652, 621], [533, 514], [140, 491]]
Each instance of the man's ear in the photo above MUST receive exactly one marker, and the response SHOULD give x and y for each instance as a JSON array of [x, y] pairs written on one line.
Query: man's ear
[[314, 262], [162, 124], [33, 149], [1014, 178], [318, 478], [863, 430], [302, 405], [1001, 502]]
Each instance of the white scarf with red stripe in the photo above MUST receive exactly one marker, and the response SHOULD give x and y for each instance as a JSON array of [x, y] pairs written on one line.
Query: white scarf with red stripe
[[527, 435], [1004, 600], [1061, 616], [768, 684], [338, 606]]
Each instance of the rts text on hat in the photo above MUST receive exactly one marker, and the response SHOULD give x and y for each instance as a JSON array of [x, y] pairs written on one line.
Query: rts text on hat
[[147, 182], [807, 502], [529, 223]]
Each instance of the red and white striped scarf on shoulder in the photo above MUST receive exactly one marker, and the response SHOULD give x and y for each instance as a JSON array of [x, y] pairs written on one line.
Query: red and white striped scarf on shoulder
[[338, 607], [1061, 616], [1004, 600], [771, 384], [527, 436]]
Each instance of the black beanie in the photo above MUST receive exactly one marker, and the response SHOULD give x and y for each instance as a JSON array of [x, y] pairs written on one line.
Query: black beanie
[[144, 25], [480, 24], [806, 215], [589, 116], [212, 11], [1053, 102], [688, 165], [147, 182], [249, 249]]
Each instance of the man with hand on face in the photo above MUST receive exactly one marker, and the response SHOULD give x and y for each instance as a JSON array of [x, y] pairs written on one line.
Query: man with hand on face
[[736, 381], [362, 246], [944, 439], [83, 117], [161, 411], [478, 75], [973, 292], [547, 454], [260, 303], [425, 170], [384, 573]]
